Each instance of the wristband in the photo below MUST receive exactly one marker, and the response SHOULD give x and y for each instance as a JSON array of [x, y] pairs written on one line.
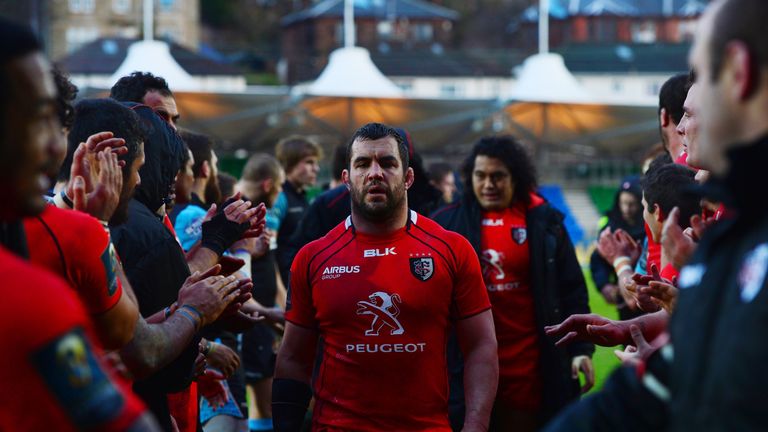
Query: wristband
[[62, 201], [167, 312], [619, 260], [189, 316], [290, 399], [621, 269], [205, 348], [193, 310]]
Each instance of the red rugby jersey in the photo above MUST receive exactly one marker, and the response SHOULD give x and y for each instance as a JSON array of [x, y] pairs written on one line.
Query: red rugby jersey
[[76, 247], [383, 306], [51, 377], [505, 262]]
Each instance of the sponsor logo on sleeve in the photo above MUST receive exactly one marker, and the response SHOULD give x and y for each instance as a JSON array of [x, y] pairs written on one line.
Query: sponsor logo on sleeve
[[74, 377], [109, 260]]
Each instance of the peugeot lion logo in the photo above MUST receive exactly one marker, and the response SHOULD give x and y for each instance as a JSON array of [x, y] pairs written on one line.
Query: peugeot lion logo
[[383, 308]]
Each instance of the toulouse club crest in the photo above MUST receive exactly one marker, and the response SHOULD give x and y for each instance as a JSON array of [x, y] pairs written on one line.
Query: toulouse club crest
[[519, 235], [422, 268]]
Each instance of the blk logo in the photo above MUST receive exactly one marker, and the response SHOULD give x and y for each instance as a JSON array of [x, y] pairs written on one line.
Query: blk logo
[[383, 308], [372, 253]]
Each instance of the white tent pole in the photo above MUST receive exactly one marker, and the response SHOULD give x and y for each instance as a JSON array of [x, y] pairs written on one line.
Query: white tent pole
[[349, 23], [148, 19], [543, 26]]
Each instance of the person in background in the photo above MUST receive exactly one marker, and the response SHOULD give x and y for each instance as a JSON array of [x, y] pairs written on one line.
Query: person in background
[[441, 176], [627, 215]]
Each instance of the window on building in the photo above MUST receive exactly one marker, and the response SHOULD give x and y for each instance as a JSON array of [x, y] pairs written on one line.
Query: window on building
[[644, 32], [422, 32], [76, 37], [82, 6], [121, 6]]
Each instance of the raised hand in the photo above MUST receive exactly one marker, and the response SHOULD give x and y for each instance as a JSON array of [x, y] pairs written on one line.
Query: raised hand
[[583, 364], [208, 294], [612, 245], [103, 196], [212, 388], [589, 328], [222, 358], [633, 355], [663, 294]]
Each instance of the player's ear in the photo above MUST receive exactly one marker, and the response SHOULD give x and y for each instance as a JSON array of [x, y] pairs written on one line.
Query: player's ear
[[663, 117], [409, 178], [205, 169], [345, 177]]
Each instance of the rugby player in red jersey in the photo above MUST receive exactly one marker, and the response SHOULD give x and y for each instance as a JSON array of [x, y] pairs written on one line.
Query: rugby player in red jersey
[[381, 290], [50, 374]]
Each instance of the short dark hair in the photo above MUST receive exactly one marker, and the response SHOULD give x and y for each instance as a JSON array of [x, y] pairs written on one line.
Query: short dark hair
[[201, 147], [672, 96], [438, 171], [99, 115], [134, 87], [291, 150], [67, 92], [742, 20], [669, 186], [18, 41], [375, 131], [513, 155]]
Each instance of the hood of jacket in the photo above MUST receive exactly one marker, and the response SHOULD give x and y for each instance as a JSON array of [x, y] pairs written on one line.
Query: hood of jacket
[[163, 154]]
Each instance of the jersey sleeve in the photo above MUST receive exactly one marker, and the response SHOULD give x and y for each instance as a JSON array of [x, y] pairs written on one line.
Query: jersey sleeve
[[469, 294], [94, 269], [300, 309], [54, 370]]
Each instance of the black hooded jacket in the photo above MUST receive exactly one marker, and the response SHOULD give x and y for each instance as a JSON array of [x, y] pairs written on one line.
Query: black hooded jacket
[[152, 258], [558, 289]]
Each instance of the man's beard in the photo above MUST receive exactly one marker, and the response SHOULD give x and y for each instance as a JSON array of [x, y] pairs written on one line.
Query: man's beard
[[212, 192], [378, 211]]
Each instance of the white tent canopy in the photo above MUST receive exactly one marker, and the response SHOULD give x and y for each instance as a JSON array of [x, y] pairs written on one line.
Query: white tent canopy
[[544, 78], [351, 73], [155, 57]]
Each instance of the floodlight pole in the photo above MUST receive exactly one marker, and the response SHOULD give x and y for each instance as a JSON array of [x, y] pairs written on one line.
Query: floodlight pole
[[149, 6], [543, 26], [349, 23]]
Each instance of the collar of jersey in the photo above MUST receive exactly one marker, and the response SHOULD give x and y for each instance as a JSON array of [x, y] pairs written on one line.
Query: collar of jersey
[[383, 238]]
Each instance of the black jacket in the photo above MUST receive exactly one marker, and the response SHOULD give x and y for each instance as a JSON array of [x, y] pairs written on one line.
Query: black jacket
[[152, 258], [718, 375], [297, 205], [557, 284]]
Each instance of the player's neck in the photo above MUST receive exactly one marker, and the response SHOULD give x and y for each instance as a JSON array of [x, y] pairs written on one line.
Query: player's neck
[[388, 226]]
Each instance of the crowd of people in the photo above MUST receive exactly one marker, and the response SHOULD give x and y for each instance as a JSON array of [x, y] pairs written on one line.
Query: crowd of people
[[144, 289]]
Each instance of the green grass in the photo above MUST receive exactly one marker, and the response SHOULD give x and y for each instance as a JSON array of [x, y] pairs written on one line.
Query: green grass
[[604, 360]]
